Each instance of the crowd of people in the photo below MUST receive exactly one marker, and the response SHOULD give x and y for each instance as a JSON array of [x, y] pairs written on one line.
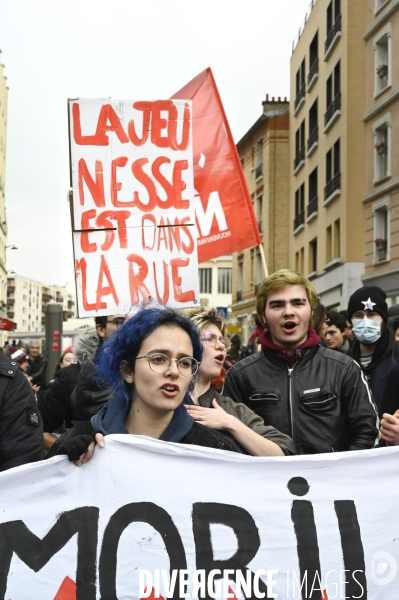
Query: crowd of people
[[308, 381]]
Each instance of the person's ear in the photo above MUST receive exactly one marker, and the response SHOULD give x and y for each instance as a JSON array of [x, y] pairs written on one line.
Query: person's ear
[[126, 372], [100, 330]]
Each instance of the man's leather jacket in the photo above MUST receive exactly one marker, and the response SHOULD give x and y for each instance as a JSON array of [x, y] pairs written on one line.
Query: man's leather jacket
[[323, 402]]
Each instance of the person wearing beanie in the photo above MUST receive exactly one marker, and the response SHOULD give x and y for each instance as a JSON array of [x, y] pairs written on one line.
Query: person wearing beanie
[[315, 395], [373, 346]]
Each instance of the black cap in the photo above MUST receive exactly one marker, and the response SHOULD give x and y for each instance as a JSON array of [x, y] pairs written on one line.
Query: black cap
[[369, 298]]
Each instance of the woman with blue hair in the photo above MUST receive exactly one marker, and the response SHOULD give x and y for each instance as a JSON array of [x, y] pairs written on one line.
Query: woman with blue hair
[[148, 366]]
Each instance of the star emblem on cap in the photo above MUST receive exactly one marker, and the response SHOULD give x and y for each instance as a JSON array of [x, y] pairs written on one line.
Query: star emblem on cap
[[368, 305]]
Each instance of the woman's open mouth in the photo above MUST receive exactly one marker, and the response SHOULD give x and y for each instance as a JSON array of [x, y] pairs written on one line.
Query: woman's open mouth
[[219, 359], [170, 390]]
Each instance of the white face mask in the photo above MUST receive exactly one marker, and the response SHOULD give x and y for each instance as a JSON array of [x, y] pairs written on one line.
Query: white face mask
[[366, 331]]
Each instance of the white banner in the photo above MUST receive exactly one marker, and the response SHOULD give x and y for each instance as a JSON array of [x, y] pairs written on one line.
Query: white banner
[[144, 516], [134, 232]]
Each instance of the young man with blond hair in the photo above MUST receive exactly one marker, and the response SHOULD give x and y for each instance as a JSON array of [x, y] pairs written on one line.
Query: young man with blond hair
[[315, 395]]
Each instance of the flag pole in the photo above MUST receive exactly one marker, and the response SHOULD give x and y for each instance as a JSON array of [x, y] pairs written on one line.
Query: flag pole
[[262, 255]]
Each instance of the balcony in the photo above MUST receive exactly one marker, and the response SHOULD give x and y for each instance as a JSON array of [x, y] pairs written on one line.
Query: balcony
[[312, 206], [333, 188], [300, 98], [313, 74], [11, 301], [46, 297], [299, 220], [258, 171], [239, 296], [313, 141], [299, 160], [59, 299], [71, 303], [10, 314], [332, 113], [332, 37]]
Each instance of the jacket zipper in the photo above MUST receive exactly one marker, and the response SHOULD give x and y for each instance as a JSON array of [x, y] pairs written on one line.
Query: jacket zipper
[[290, 398]]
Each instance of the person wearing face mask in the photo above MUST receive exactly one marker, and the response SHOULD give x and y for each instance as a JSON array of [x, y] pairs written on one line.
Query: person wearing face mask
[[373, 346]]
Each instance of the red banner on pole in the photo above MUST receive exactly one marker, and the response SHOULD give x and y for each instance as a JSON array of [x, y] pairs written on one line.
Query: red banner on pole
[[225, 218]]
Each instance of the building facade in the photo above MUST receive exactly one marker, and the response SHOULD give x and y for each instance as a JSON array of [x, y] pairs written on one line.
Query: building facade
[[381, 118], [328, 150], [264, 153], [3, 220], [215, 283], [27, 300]]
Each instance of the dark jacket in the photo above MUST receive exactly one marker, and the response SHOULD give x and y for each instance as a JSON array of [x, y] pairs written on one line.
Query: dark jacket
[[37, 370], [321, 401], [198, 435], [390, 402], [249, 418], [21, 428], [382, 363], [54, 403]]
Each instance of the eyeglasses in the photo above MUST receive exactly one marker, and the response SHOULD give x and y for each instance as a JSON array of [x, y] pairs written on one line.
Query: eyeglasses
[[373, 316], [211, 339], [117, 322], [160, 363]]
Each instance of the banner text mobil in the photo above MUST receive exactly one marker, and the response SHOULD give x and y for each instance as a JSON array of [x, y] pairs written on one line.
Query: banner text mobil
[[133, 194]]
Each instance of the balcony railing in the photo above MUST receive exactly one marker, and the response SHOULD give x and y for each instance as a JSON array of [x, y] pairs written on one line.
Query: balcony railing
[[260, 225], [10, 289], [334, 106], [258, 171], [314, 69], [10, 314], [11, 301], [300, 95], [239, 296], [313, 137], [299, 220], [332, 186], [46, 297], [312, 206], [300, 157], [332, 33]]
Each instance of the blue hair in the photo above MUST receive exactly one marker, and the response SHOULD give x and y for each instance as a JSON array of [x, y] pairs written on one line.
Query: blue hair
[[127, 341]]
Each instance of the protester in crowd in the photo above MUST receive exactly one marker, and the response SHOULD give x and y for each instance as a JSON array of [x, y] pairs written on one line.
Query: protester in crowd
[[373, 347], [68, 358], [350, 336], [315, 395], [220, 412], [334, 336], [37, 365], [320, 320], [22, 359], [74, 395], [147, 366], [21, 429]]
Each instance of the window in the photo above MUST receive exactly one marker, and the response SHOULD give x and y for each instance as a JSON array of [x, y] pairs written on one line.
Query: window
[[259, 212], [259, 269], [259, 168], [381, 213], [329, 244], [313, 256], [313, 61], [224, 281], [333, 97], [382, 60], [333, 242], [379, 4], [300, 87], [299, 207], [205, 281], [333, 26], [382, 147], [337, 239], [299, 159], [333, 175], [313, 128], [240, 281], [312, 194]]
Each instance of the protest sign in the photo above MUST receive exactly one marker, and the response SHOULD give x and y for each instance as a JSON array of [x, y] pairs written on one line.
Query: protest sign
[[133, 204], [225, 216], [146, 518]]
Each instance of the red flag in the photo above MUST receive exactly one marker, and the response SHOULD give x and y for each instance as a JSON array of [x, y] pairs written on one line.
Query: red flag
[[225, 217]]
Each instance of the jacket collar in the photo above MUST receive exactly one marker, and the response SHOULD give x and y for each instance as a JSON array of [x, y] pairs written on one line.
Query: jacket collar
[[311, 341]]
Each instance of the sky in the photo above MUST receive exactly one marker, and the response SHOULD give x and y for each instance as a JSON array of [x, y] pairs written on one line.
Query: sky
[[124, 49]]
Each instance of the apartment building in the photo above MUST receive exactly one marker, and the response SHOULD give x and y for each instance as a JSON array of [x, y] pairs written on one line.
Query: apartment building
[[381, 118], [3, 221], [264, 153], [215, 283], [328, 149], [27, 300]]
